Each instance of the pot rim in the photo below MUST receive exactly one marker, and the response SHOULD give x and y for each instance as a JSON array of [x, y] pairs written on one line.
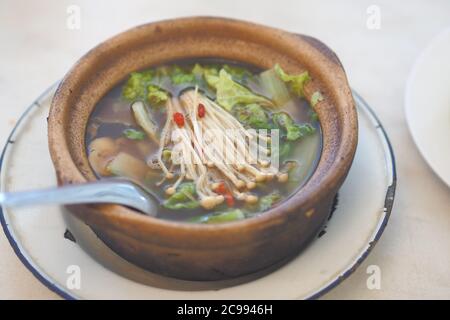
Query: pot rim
[[306, 195]]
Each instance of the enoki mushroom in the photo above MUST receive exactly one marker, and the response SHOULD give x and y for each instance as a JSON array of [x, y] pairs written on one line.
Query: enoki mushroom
[[195, 132]]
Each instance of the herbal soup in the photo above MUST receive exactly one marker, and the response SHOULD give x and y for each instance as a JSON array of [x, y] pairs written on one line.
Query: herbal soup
[[214, 141]]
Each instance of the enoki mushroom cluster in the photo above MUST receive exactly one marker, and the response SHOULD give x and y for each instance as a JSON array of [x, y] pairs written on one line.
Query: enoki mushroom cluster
[[196, 153]]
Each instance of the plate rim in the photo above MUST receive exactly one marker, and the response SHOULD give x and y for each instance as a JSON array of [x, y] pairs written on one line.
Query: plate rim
[[407, 100], [12, 241], [388, 204]]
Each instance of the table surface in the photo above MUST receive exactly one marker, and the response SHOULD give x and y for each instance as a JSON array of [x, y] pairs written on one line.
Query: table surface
[[37, 48]]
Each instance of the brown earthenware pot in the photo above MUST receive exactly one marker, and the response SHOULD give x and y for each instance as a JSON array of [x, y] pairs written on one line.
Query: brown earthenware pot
[[206, 252]]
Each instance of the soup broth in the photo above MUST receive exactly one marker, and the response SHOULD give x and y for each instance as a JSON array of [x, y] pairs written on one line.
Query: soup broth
[[152, 129]]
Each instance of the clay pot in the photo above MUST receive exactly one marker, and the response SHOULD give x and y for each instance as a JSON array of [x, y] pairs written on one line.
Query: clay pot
[[206, 252]]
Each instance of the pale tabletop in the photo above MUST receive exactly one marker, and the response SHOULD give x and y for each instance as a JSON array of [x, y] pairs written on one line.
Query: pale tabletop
[[37, 48]]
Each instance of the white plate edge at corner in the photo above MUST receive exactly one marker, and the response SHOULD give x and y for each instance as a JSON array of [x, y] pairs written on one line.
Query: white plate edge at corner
[[445, 33]]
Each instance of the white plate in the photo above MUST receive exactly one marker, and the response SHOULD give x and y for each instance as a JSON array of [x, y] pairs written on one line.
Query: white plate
[[37, 233], [427, 104]]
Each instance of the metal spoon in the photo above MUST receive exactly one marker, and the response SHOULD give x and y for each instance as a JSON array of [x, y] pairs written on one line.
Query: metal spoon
[[116, 191]]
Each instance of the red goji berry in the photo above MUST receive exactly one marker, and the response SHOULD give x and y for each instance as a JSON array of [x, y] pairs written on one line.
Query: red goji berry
[[201, 110], [221, 189], [229, 199], [179, 119]]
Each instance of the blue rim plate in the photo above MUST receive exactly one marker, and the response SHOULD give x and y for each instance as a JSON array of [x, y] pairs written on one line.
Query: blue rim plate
[[37, 235]]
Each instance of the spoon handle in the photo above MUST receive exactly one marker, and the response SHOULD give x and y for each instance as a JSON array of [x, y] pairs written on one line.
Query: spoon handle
[[124, 193]]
